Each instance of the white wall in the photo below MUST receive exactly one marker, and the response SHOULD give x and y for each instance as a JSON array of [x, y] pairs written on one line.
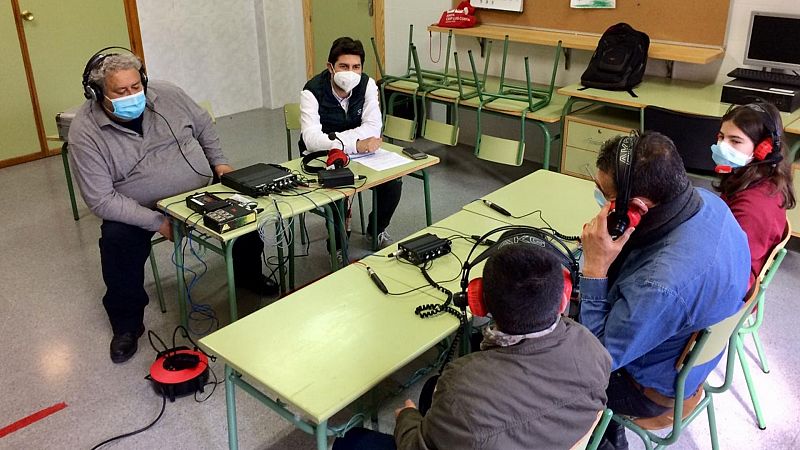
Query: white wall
[[207, 47], [285, 52], [238, 54]]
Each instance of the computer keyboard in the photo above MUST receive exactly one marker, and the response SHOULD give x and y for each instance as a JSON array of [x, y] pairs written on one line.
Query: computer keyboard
[[767, 77]]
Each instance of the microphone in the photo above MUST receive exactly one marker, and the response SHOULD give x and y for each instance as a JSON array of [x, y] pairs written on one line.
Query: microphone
[[377, 280], [497, 208], [332, 136]]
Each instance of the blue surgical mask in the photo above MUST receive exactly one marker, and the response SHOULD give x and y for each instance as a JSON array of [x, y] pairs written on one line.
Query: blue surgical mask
[[724, 154], [129, 107], [599, 197]]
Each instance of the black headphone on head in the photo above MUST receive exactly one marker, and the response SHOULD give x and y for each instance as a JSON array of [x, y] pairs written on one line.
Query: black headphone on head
[[472, 291], [619, 219], [93, 91]]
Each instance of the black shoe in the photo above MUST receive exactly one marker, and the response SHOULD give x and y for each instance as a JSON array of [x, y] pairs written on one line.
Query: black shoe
[[260, 285], [124, 346]]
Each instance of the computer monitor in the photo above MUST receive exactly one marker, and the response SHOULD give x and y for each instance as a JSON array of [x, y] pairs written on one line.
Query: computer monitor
[[772, 41]]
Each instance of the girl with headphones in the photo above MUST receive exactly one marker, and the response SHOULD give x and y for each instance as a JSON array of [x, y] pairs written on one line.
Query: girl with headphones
[[756, 178]]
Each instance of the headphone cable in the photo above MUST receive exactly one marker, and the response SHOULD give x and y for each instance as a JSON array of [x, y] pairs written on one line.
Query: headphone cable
[[180, 147]]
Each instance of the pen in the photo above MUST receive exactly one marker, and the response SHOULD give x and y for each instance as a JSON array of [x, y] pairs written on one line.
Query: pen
[[377, 280], [497, 208]]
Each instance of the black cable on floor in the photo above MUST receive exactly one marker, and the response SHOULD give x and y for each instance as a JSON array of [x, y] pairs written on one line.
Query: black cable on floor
[[163, 406]]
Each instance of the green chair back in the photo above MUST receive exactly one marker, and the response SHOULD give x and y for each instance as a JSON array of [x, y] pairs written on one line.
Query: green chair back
[[704, 346], [206, 104], [398, 128]]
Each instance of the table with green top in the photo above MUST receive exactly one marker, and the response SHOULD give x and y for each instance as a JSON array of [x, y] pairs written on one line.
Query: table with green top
[[374, 178], [565, 202], [313, 353], [691, 97], [186, 221], [285, 207]]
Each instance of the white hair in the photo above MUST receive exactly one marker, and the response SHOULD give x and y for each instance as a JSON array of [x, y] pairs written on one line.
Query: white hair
[[111, 64]]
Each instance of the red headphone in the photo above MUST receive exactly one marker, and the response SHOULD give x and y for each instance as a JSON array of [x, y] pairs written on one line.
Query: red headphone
[[337, 158], [477, 304], [634, 213], [763, 149]]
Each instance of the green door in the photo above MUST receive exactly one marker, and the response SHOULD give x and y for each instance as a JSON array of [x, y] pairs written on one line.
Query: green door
[[61, 38], [331, 19], [18, 135]]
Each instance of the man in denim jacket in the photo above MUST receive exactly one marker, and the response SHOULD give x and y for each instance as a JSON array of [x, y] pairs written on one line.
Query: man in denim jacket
[[683, 268]]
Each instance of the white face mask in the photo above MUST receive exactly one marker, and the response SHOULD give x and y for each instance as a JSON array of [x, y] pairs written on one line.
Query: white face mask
[[725, 155], [346, 80]]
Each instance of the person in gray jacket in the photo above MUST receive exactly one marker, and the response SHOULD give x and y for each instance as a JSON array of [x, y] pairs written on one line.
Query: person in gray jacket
[[132, 144], [538, 382]]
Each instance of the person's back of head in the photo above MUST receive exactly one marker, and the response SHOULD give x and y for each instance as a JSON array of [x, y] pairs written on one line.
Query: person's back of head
[[658, 171], [345, 46], [522, 288]]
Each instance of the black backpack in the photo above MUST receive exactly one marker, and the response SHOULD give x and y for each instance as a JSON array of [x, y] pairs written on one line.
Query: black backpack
[[619, 61]]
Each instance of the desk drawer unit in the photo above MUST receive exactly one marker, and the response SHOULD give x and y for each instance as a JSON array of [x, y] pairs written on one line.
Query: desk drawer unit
[[586, 131]]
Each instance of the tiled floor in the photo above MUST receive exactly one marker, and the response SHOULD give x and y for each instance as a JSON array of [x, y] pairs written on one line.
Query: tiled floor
[[55, 333]]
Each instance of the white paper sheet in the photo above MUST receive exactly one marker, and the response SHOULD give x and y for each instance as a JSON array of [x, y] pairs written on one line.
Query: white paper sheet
[[382, 160]]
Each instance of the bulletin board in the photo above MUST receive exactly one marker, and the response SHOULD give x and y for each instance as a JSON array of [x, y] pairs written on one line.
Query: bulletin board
[[699, 22]]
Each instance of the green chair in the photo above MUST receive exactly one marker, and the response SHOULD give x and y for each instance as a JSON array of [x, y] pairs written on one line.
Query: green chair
[[409, 84], [703, 347], [754, 323], [509, 99], [291, 122], [450, 93]]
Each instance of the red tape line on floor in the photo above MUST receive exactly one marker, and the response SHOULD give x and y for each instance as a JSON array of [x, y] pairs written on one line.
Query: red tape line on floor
[[39, 415]]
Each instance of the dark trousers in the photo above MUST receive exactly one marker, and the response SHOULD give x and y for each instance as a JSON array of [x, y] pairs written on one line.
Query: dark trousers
[[124, 250], [363, 439], [626, 398], [388, 195]]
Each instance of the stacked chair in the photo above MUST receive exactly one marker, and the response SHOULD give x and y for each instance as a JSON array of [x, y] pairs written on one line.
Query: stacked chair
[[509, 99]]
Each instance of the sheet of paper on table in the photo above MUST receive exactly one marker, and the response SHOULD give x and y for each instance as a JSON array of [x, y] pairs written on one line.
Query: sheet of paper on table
[[381, 159]]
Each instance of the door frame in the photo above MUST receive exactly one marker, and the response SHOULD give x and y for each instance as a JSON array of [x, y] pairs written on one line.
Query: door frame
[[377, 28], [135, 36]]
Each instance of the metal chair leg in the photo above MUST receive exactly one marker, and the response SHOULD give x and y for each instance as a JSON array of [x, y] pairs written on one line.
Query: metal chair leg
[[157, 279], [712, 422], [361, 213], [68, 175], [751, 387], [762, 357]]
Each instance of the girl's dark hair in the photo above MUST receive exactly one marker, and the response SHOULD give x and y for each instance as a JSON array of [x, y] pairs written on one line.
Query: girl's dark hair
[[758, 122]]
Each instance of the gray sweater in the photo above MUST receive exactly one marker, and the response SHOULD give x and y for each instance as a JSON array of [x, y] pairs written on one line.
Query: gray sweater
[[543, 393], [122, 174]]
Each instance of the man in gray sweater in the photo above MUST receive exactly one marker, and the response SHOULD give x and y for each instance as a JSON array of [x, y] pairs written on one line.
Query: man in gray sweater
[[132, 144], [538, 382]]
